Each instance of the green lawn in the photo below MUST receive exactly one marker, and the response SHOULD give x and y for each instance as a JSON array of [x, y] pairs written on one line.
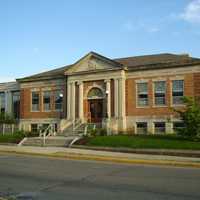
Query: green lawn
[[11, 138], [142, 141]]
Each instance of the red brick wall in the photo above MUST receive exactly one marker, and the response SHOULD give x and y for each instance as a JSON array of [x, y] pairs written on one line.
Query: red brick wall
[[25, 105], [197, 86], [131, 96]]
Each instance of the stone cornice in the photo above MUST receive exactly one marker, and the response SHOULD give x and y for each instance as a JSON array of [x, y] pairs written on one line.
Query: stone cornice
[[10, 86], [32, 79], [164, 72], [46, 83]]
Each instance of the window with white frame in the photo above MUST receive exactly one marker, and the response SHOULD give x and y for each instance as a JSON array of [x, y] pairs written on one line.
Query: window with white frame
[[178, 126], [34, 128], [16, 104], [2, 103], [159, 93], [58, 100], [35, 101], [142, 94], [177, 91], [141, 127], [159, 127], [47, 100]]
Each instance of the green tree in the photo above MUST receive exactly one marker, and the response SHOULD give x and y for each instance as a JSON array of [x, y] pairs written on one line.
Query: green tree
[[190, 115]]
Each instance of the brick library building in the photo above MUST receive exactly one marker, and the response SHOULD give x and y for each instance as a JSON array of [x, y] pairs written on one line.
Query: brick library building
[[134, 95]]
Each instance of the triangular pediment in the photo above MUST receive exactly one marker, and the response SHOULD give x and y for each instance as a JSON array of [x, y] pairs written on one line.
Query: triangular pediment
[[92, 62]]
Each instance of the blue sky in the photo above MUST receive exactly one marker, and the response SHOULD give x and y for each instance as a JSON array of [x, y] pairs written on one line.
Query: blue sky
[[38, 35]]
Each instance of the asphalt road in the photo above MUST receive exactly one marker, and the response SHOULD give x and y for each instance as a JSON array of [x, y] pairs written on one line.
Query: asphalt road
[[27, 178]]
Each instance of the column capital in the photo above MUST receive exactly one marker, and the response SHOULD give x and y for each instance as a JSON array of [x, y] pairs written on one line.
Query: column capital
[[122, 78], [72, 82], [79, 82], [107, 80]]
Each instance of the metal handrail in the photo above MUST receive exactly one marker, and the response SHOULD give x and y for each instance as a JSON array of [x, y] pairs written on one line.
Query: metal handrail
[[76, 124], [44, 135], [85, 130]]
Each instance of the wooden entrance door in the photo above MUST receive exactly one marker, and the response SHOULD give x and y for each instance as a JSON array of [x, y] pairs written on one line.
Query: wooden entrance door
[[96, 110]]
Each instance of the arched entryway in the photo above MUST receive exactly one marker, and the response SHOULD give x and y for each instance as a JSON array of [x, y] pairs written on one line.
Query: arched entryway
[[95, 105]]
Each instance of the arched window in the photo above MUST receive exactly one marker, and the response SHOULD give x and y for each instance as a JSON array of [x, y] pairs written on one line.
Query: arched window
[[95, 93]]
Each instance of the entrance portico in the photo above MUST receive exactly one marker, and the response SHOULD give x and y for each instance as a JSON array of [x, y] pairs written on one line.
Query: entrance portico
[[96, 96]]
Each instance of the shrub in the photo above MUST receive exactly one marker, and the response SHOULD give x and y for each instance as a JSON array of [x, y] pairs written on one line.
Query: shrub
[[12, 138], [102, 132], [92, 132], [190, 115]]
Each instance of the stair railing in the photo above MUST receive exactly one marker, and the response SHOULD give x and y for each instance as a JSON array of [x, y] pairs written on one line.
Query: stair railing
[[76, 124], [49, 131], [86, 128]]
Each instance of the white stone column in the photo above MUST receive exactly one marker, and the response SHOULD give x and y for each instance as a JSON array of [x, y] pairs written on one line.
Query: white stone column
[[73, 100], [108, 101], [150, 127], [68, 101], [81, 116], [169, 127], [122, 97], [116, 93], [122, 103]]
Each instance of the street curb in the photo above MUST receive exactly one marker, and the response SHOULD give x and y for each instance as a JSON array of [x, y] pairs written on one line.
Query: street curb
[[76, 156], [164, 152]]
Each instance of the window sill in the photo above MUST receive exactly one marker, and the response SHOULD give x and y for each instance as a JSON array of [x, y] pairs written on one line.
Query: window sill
[[159, 106], [178, 105], [58, 110], [142, 106]]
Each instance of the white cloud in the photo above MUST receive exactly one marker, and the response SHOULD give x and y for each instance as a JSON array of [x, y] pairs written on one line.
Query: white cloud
[[192, 12], [6, 79]]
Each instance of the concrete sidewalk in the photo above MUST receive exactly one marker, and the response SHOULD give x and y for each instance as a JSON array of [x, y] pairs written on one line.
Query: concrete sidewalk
[[83, 154]]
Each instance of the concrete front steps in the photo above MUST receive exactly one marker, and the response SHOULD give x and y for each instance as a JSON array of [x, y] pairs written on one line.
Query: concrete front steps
[[70, 132], [53, 141], [80, 130]]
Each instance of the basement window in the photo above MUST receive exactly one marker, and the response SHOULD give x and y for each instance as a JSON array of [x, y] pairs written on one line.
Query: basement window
[[178, 126], [34, 128], [141, 127], [159, 127]]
